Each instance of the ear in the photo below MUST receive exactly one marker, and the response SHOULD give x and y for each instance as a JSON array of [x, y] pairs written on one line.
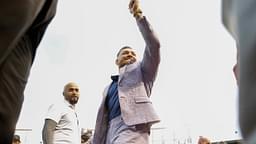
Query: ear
[[116, 61]]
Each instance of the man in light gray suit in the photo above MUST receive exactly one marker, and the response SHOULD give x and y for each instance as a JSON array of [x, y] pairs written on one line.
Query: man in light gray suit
[[126, 112], [239, 17]]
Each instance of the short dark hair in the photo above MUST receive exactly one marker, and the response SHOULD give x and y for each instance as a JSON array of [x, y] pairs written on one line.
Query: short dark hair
[[124, 47], [16, 138]]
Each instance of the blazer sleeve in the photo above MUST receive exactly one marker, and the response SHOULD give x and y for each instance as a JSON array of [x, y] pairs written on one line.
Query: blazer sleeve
[[151, 57]]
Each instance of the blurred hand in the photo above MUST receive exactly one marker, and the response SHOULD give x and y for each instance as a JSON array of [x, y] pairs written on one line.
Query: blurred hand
[[135, 9]]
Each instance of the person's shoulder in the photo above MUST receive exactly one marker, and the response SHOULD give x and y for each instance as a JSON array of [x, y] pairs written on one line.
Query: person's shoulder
[[57, 105]]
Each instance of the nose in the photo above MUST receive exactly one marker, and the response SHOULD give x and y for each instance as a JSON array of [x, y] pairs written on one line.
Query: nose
[[130, 55], [74, 92]]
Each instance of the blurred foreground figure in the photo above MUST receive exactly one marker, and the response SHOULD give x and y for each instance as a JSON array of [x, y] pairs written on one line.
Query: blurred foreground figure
[[239, 17], [22, 26], [86, 136]]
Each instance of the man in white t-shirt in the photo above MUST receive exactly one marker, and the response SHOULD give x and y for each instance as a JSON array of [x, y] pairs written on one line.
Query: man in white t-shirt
[[61, 122]]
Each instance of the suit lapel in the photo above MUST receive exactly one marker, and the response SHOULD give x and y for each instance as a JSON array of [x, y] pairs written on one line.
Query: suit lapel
[[125, 69]]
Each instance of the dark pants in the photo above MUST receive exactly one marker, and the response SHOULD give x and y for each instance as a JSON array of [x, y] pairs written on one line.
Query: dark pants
[[14, 74], [239, 17], [22, 26]]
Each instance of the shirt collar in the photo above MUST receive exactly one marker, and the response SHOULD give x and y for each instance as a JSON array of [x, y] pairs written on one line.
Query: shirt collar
[[115, 78], [69, 105]]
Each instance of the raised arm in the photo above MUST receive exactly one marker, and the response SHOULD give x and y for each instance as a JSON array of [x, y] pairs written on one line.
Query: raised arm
[[151, 57]]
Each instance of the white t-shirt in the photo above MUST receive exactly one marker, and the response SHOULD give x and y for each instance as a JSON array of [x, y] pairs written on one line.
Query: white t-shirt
[[67, 130]]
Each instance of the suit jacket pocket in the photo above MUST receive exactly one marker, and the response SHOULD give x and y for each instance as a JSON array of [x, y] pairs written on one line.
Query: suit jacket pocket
[[142, 99]]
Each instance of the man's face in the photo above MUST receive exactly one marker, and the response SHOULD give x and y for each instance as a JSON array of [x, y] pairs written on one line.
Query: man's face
[[71, 93], [126, 56]]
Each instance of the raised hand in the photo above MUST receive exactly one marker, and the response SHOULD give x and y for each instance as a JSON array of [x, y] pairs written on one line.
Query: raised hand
[[135, 9]]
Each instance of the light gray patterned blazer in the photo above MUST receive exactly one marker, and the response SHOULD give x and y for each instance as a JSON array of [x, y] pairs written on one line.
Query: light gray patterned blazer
[[134, 87]]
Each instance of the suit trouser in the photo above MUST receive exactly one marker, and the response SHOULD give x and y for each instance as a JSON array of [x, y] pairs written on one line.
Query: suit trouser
[[239, 17], [22, 25], [14, 73], [120, 133]]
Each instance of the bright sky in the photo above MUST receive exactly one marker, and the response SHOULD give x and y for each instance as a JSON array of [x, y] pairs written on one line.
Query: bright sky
[[195, 92]]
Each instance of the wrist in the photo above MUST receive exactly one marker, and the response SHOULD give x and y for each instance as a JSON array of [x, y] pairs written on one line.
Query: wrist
[[138, 14]]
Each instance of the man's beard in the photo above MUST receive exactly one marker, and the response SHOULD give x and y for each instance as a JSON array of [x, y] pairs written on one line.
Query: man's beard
[[130, 61], [73, 100]]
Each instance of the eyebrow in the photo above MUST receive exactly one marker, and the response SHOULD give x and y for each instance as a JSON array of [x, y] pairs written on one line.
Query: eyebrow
[[124, 51], [71, 88], [127, 51]]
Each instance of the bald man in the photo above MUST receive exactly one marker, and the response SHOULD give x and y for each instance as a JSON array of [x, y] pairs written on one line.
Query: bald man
[[61, 123]]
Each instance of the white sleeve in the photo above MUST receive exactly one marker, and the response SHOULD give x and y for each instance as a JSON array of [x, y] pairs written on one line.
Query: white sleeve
[[54, 113]]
